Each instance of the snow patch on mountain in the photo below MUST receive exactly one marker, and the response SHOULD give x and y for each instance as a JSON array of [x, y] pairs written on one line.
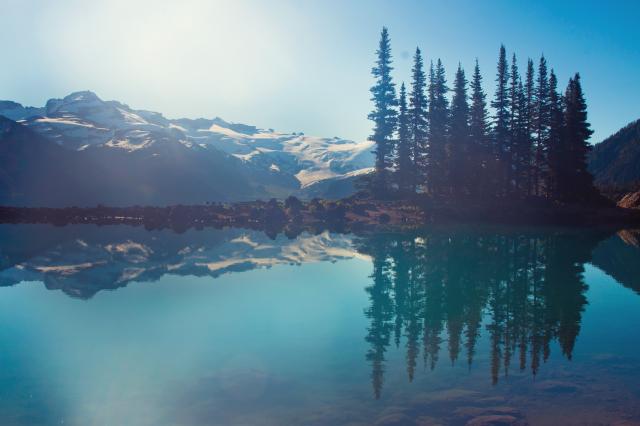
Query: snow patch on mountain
[[67, 121]]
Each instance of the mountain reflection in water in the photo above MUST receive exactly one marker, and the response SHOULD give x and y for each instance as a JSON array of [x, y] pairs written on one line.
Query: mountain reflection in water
[[82, 260]]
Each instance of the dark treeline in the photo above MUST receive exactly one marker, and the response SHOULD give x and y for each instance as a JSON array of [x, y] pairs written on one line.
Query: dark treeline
[[534, 144], [439, 291], [291, 217]]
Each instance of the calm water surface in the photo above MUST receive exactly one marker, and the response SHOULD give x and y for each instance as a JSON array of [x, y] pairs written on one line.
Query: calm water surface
[[123, 326]]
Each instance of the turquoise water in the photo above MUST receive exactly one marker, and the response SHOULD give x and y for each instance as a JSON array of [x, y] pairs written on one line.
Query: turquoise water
[[122, 326]]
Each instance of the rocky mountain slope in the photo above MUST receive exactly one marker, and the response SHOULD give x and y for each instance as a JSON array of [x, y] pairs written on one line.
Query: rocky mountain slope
[[113, 154], [615, 162], [630, 201]]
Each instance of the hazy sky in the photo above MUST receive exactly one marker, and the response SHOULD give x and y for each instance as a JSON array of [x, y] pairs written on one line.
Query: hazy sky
[[303, 65]]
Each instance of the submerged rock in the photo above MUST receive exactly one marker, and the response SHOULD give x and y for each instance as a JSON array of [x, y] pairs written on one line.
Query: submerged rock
[[553, 386], [428, 421], [484, 411], [499, 415], [495, 420], [395, 419], [444, 396]]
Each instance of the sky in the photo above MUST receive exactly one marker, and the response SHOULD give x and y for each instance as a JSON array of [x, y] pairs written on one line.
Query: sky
[[302, 65]]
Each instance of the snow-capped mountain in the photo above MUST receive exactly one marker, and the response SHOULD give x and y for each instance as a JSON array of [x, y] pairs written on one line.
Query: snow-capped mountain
[[84, 122], [36, 171]]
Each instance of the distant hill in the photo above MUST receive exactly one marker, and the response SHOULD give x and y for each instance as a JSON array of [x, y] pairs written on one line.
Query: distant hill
[[106, 152], [615, 162]]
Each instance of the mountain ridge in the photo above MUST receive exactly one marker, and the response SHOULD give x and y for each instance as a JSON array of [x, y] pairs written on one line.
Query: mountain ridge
[[274, 164]]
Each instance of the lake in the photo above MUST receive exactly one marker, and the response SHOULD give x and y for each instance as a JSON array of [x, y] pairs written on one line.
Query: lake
[[117, 325]]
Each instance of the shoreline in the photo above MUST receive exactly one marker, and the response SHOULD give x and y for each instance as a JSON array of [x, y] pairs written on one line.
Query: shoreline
[[353, 214]]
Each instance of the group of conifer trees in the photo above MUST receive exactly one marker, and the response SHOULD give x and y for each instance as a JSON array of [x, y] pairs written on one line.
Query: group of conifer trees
[[534, 144]]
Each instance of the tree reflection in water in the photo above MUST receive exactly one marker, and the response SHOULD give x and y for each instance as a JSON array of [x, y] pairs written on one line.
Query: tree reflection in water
[[438, 288]]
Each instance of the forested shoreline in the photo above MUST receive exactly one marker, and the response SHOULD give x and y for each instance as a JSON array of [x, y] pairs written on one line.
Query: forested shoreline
[[358, 213], [438, 158], [534, 144]]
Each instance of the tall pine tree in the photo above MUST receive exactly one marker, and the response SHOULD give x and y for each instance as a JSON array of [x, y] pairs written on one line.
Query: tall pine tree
[[556, 153], [500, 105], [523, 145], [577, 131], [528, 122], [418, 118], [404, 164], [384, 114], [513, 167], [541, 125], [518, 137], [437, 168], [425, 171], [459, 138], [480, 149]]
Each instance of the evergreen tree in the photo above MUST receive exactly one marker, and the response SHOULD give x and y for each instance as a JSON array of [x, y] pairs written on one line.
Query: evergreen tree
[[501, 120], [524, 145], [404, 164], [437, 171], [556, 152], [459, 150], [418, 118], [432, 86], [513, 166], [384, 114], [528, 121], [479, 135], [426, 165], [520, 145], [542, 122], [577, 131]]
